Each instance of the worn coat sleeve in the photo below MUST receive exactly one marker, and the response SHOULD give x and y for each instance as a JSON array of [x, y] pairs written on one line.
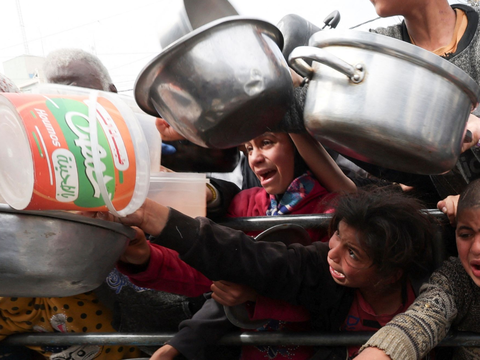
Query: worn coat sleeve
[[205, 328], [221, 253], [166, 272]]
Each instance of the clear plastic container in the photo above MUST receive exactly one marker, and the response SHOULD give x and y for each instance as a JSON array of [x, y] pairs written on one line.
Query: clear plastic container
[[185, 192]]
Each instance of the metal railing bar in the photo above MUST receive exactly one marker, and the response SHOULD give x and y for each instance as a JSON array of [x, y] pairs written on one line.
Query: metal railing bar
[[309, 221], [236, 338]]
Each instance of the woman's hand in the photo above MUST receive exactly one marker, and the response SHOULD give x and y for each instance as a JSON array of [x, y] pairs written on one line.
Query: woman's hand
[[166, 131], [449, 207], [166, 352], [137, 251], [231, 294]]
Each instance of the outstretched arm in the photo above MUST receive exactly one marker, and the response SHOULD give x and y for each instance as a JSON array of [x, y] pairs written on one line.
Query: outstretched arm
[[321, 164]]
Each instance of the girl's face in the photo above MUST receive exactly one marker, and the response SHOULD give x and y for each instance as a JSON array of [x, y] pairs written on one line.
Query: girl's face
[[468, 242], [349, 264], [271, 157]]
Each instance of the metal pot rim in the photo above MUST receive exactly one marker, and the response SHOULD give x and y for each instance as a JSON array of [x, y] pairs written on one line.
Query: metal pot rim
[[402, 50], [62, 215], [145, 79]]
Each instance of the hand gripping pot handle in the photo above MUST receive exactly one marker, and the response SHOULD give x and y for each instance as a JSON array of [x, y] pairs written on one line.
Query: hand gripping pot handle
[[297, 58]]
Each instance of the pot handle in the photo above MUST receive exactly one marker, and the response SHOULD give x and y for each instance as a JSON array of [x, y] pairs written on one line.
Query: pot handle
[[296, 60]]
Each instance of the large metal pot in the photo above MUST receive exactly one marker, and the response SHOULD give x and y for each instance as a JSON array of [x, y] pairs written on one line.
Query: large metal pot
[[221, 85], [385, 101], [53, 253], [190, 15]]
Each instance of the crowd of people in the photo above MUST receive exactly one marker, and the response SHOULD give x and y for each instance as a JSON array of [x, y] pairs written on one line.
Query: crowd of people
[[371, 270]]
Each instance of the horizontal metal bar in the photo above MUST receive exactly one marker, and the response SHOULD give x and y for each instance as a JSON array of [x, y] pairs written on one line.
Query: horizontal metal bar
[[237, 338], [310, 221]]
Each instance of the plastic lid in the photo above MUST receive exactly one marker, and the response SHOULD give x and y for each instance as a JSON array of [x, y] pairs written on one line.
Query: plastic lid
[[16, 163]]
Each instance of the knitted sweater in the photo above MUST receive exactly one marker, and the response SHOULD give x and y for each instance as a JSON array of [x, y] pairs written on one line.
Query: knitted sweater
[[449, 299]]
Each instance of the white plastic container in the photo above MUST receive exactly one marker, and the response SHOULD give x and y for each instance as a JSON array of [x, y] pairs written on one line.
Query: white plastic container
[[72, 152], [185, 192], [147, 122]]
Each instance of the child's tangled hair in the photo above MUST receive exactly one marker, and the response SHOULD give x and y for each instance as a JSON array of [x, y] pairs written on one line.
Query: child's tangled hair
[[470, 197], [392, 228]]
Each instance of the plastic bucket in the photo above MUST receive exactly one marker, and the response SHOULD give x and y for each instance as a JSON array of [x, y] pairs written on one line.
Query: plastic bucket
[[72, 152], [147, 122], [185, 192]]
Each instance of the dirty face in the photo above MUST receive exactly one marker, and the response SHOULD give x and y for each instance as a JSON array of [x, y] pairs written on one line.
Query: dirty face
[[349, 264], [271, 157], [467, 236]]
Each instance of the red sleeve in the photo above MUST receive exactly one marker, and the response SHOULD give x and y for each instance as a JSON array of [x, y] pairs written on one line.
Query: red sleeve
[[266, 308], [249, 202], [166, 272]]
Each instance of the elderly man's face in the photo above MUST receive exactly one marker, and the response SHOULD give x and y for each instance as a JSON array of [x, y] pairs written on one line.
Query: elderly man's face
[[78, 73]]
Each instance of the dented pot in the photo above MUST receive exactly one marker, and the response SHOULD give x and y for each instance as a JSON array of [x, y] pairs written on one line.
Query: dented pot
[[220, 85], [384, 101]]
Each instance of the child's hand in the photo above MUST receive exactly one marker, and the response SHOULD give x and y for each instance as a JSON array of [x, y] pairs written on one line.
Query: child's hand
[[449, 207], [137, 251], [151, 217], [166, 131], [231, 294], [372, 353], [166, 352]]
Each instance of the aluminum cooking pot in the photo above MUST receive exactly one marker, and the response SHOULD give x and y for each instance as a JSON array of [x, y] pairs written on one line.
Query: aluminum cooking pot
[[54, 254], [385, 101], [191, 14], [220, 85]]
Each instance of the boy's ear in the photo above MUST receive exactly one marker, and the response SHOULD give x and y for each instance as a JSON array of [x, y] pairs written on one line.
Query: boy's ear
[[397, 276]]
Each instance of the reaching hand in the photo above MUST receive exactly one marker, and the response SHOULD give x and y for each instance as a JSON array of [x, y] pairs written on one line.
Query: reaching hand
[[166, 131], [151, 217], [373, 353], [473, 125], [137, 251], [449, 207], [231, 294], [166, 352]]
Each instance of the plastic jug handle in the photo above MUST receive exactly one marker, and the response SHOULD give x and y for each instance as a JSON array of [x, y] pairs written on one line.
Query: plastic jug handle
[[92, 119]]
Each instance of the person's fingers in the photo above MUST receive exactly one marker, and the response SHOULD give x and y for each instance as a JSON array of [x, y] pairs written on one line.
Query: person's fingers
[[472, 133], [222, 300]]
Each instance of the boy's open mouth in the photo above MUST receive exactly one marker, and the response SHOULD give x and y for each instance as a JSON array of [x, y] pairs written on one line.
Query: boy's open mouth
[[475, 266], [336, 274], [265, 174]]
